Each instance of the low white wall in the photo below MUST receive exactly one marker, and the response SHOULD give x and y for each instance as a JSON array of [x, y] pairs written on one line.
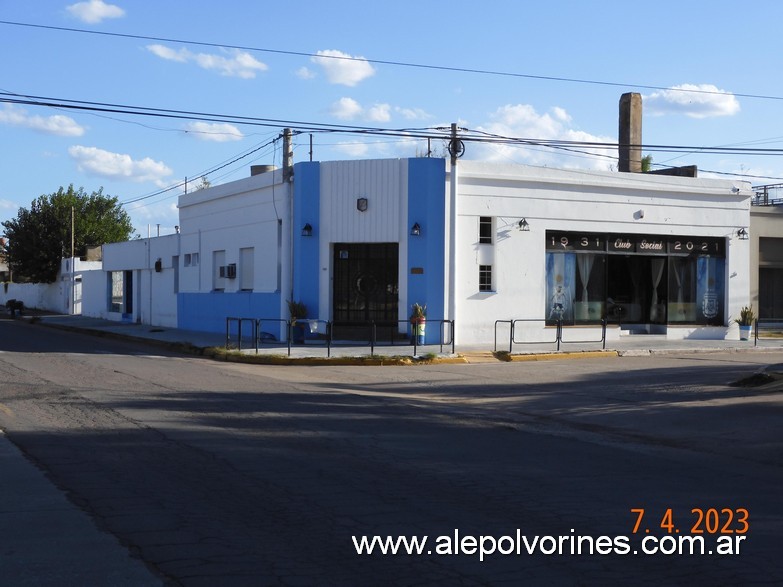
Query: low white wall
[[42, 296]]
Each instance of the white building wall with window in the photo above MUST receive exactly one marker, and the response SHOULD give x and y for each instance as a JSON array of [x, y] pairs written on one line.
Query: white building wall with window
[[577, 224], [612, 205], [145, 274]]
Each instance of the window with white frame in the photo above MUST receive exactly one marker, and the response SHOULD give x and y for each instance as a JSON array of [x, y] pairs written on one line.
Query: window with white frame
[[485, 230], [485, 277], [246, 274]]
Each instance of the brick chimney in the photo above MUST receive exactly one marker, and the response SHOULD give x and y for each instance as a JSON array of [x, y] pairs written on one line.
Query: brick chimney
[[630, 135]]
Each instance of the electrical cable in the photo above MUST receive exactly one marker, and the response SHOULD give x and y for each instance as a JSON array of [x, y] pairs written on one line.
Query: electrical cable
[[391, 62]]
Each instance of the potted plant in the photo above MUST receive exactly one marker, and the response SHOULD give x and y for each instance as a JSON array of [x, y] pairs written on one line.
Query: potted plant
[[297, 310], [418, 322], [745, 321]]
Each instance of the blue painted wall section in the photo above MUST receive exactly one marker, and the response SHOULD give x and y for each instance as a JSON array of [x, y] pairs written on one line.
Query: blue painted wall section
[[208, 311], [307, 210], [427, 206]]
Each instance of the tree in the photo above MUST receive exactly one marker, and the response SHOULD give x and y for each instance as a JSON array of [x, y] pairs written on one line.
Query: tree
[[39, 237]]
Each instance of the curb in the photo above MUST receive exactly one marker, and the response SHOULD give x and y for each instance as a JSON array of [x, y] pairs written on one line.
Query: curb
[[564, 355], [219, 354]]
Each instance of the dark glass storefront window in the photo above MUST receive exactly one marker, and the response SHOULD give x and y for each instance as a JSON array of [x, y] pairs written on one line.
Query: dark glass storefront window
[[634, 279]]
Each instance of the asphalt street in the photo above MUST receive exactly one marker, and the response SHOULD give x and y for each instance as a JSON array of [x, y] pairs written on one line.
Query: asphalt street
[[197, 472]]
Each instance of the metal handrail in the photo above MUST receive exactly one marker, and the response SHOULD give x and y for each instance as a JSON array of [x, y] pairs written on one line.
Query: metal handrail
[[602, 340], [559, 339], [259, 340], [239, 321], [764, 321], [328, 339]]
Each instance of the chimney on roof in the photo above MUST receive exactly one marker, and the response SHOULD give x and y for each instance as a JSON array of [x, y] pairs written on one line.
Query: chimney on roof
[[630, 135]]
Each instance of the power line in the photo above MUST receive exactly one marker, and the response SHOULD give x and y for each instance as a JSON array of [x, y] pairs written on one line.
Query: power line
[[422, 133], [430, 67]]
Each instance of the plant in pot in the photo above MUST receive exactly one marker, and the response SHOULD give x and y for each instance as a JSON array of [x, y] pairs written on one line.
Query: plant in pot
[[745, 321], [418, 322], [297, 311]]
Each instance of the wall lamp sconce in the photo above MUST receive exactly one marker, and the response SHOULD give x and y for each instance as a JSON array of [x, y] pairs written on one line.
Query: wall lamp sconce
[[307, 230], [523, 225], [416, 229], [742, 234], [361, 204]]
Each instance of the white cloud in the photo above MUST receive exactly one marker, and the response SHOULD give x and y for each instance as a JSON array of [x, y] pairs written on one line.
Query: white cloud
[[412, 113], [8, 205], [305, 73], [379, 113], [217, 132], [695, 101], [231, 62], [353, 149], [342, 68], [117, 165], [522, 121], [346, 109], [94, 11], [168, 53], [350, 109], [59, 125]]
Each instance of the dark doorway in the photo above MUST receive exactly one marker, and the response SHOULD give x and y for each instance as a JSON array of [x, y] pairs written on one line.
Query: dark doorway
[[365, 289], [128, 309], [637, 287], [771, 293]]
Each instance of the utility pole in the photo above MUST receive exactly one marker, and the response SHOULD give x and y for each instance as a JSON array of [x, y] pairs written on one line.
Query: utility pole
[[288, 156], [73, 261], [456, 149]]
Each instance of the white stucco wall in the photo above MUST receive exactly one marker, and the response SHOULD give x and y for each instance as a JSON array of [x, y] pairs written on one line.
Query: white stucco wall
[[247, 213], [587, 201], [154, 292]]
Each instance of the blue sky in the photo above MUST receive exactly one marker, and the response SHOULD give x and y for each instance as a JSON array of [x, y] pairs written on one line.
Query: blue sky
[[284, 73]]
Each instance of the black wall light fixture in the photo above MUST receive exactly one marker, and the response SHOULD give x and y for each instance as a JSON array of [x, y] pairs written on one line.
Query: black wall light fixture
[[523, 225], [361, 204], [416, 229], [307, 230]]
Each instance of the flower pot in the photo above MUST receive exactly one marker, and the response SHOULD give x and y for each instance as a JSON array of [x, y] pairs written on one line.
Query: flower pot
[[744, 331], [419, 326], [298, 333]]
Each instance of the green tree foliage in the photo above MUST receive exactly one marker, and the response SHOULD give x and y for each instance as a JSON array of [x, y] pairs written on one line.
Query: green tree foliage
[[40, 236]]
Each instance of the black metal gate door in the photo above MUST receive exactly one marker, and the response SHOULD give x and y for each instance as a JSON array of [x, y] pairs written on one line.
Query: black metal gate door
[[365, 285]]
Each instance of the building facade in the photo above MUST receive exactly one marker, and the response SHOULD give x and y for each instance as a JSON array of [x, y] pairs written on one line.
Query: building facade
[[360, 242], [766, 260]]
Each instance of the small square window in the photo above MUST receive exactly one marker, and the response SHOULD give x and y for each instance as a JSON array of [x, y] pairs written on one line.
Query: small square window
[[187, 260], [485, 230], [485, 277], [194, 259]]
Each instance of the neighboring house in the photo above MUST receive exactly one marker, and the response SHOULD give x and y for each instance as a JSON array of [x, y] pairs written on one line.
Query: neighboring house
[[67, 294], [766, 252], [140, 282]]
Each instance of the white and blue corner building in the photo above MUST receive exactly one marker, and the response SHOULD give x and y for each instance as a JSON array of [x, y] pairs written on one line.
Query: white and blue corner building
[[361, 241]]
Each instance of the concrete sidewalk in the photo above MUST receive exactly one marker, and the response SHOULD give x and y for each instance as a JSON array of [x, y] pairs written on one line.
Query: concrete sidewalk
[[197, 342], [46, 540]]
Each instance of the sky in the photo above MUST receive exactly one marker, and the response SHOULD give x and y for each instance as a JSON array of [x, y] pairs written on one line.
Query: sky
[[708, 73]]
